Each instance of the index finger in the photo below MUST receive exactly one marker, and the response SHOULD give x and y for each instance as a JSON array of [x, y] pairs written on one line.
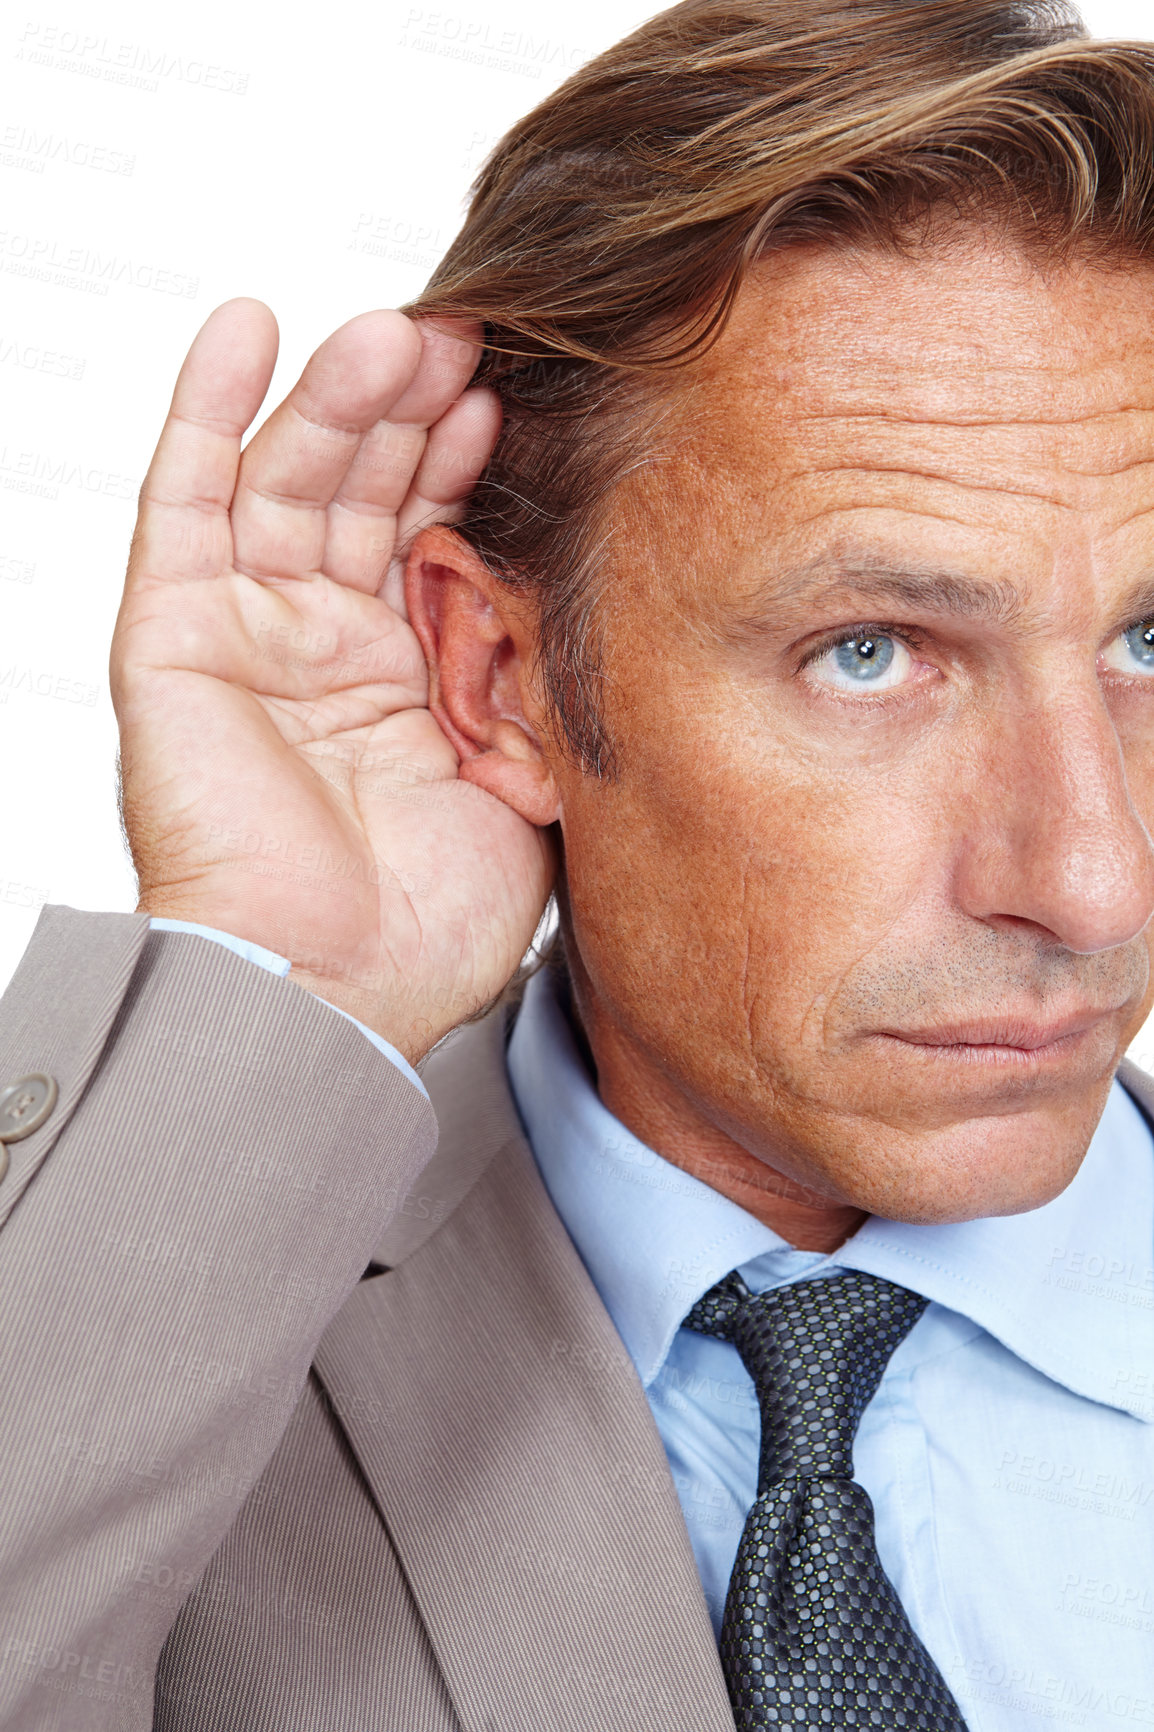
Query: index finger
[[218, 391]]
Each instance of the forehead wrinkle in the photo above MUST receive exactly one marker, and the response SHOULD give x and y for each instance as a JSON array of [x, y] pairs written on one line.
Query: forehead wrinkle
[[884, 415], [1098, 441], [1070, 468], [1128, 426], [1092, 447], [1132, 517], [839, 509], [945, 479], [841, 371]]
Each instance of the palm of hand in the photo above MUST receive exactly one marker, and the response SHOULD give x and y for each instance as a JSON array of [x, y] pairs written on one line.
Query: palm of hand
[[282, 777]]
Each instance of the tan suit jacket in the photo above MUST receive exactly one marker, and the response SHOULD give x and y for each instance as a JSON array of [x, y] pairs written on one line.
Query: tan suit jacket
[[460, 1520]]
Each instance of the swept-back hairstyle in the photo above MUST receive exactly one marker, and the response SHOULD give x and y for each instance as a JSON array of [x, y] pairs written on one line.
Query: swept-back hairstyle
[[610, 231]]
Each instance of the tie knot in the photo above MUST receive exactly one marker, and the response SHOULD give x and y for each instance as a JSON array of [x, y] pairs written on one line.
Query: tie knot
[[816, 1352]]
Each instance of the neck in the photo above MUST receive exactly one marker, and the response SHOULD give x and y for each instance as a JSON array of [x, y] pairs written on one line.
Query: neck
[[648, 1103]]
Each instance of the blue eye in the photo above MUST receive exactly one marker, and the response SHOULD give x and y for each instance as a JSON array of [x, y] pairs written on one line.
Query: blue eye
[[1140, 643], [866, 661], [1132, 652], [869, 658]]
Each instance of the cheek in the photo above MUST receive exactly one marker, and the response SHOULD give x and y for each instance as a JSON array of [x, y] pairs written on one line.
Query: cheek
[[732, 906], [1133, 721], [829, 887]]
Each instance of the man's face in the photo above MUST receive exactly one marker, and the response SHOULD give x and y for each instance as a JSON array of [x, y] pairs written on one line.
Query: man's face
[[871, 891]]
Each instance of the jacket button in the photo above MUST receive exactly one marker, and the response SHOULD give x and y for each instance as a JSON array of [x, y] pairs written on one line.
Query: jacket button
[[24, 1106]]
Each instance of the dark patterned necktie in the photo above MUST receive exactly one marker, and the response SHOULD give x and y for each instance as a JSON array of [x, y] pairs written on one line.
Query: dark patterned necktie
[[814, 1634]]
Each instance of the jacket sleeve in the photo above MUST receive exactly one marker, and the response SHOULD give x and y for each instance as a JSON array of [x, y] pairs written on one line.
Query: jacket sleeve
[[223, 1155]]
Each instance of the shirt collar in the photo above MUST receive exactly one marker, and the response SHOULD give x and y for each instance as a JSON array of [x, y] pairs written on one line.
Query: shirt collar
[[1068, 1287]]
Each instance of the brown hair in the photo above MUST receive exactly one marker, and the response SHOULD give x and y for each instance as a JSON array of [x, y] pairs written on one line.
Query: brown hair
[[610, 231]]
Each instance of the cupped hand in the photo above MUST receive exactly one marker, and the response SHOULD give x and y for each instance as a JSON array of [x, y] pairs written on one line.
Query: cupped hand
[[282, 777]]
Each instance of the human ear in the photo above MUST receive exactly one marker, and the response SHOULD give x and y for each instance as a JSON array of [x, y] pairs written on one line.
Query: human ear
[[477, 645]]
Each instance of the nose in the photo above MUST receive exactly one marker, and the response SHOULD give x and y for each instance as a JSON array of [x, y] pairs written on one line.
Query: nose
[[1055, 839]]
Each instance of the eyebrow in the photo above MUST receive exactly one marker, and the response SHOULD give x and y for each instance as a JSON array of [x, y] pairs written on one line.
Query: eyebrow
[[929, 589]]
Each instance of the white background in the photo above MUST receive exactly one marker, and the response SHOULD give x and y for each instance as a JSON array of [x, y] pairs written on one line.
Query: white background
[[155, 161]]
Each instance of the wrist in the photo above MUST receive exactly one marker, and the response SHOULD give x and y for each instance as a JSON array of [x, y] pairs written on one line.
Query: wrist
[[408, 1021], [402, 1026]]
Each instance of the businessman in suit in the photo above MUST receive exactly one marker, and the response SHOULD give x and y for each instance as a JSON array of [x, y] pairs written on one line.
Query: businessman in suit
[[747, 1321]]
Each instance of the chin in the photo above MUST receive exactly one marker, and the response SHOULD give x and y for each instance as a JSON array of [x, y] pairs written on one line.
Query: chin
[[974, 1168], [957, 1145]]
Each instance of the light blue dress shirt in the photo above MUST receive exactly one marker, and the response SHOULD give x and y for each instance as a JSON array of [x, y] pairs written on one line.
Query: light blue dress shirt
[[1009, 1451]]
